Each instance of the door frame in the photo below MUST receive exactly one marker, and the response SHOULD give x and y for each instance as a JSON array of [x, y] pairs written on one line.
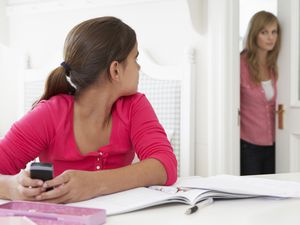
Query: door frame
[[223, 87], [287, 159]]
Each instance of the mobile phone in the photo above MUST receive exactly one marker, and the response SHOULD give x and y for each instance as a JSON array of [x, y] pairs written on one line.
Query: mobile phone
[[41, 171]]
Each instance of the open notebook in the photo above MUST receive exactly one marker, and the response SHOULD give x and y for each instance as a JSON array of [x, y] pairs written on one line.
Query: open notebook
[[192, 190]]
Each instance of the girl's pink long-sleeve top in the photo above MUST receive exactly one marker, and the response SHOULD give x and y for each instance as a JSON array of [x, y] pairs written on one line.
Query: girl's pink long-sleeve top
[[47, 132], [257, 113]]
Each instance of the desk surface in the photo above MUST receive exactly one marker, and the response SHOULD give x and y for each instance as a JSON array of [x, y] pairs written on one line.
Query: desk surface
[[233, 212]]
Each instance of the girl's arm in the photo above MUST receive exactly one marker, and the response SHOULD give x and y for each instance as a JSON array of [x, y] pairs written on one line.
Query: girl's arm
[[4, 184], [23, 143], [19, 187], [75, 185]]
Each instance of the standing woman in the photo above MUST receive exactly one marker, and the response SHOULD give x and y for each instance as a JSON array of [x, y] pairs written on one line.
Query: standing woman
[[258, 88]]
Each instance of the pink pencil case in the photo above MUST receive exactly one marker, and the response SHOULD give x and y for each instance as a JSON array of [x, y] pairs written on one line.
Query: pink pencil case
[[54, 214]]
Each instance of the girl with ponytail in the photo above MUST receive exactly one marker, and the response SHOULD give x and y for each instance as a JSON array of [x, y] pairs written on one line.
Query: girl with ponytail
[[89, 123]]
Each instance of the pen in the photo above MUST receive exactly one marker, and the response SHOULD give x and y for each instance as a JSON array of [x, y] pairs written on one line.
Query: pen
[[191, 210], [200, 205]]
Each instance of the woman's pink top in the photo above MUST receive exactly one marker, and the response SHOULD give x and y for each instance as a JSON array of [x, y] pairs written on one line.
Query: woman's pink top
[[257, 113], [47, 132]]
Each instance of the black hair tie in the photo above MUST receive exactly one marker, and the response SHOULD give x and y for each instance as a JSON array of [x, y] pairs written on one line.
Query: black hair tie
[[66, 67]]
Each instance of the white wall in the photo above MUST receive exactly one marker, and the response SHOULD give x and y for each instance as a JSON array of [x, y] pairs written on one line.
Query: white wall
[[10, 87], [164, 27], [3, 23], [10, 76]]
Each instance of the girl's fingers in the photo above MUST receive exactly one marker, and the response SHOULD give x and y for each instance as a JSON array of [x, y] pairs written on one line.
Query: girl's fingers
[[30, 192], [58, 192], [25, 180], [57, 181]]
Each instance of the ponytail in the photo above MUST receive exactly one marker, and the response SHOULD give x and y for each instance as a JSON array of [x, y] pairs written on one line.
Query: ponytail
[[89, 49], [56, 84]]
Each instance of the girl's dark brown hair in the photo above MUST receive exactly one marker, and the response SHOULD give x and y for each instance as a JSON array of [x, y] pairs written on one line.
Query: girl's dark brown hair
[[89, 49]]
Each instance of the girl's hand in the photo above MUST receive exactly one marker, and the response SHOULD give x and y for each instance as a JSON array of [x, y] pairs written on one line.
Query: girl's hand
[[70, 186], [22, 187]]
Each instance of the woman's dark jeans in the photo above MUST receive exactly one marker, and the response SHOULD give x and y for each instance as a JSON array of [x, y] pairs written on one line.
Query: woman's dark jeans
[[256, 159]]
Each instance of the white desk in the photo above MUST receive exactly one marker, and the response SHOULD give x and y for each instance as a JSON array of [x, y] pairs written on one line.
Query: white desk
[[231, 212]]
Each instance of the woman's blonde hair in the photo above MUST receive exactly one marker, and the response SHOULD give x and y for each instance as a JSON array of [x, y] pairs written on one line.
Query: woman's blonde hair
[[258, 22]]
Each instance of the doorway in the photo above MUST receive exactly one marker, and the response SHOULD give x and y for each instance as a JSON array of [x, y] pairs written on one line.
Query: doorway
[[257, 163]]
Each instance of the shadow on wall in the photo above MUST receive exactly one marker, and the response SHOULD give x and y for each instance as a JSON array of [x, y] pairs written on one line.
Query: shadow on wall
[[198, 13]]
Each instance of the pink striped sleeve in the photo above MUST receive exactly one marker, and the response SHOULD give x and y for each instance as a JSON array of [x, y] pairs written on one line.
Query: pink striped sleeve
[[149, 138]]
